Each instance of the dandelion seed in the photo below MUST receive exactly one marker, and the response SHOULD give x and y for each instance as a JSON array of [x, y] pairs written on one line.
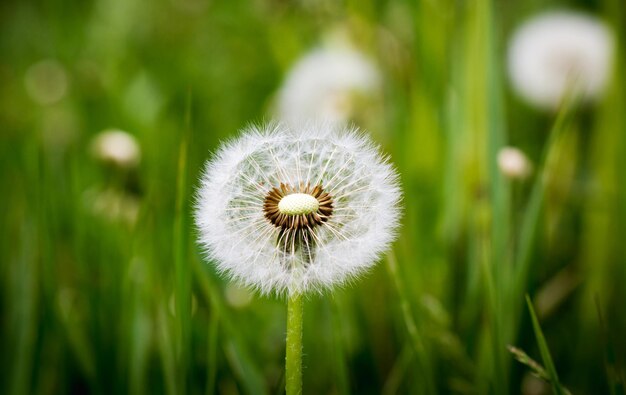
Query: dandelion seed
[[327, 83], [294, 209], [558, 52]]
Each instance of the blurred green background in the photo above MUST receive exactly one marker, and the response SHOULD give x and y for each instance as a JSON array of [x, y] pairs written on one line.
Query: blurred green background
[[105, 291]]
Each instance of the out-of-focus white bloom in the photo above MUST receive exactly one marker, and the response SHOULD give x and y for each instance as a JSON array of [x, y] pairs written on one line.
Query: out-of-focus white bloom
[[327, 83], [256, 216], [558, 52], [117, 147], [513, 163], [46, 81]]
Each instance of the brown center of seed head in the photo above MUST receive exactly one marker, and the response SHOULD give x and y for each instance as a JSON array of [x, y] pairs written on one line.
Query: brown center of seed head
[[297, 221]]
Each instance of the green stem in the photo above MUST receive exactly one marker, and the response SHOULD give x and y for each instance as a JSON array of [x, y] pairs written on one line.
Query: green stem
[[293, 359]]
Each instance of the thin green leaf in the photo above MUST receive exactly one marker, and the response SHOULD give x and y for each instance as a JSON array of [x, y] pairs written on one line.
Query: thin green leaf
[[557, 388]]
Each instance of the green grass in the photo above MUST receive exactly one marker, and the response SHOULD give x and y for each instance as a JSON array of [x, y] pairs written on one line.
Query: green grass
[[90, 304]]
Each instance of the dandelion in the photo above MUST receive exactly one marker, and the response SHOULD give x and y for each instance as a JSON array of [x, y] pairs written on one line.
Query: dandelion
[[120, 200], [116, 147], [297, 209], [559, 52], [328, 83], [291, 209], [513, 163]]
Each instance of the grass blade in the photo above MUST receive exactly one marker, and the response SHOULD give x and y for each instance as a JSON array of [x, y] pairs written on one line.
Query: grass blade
[[415, 336], [212, 352], [181, 263], [557, 388], [234, 347]]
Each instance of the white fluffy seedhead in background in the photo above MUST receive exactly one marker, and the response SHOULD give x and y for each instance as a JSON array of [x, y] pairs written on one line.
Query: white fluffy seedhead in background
[[557, 53], [244, 244], [117, 147], [327, 84], [513, 163]]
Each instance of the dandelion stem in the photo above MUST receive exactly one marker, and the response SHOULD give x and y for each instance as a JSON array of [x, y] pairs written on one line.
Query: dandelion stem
[[293, 359]]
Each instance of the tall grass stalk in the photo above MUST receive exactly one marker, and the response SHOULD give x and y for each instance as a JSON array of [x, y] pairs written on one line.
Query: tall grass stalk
[[181, 263], [557, 388], [528, 230], [230, 337], [417, 341], [212, 345], [343, 383]]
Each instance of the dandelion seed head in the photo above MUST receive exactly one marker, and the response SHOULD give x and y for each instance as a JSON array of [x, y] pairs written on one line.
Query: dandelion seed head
[[327, 83], [297, 209], [558, 52]]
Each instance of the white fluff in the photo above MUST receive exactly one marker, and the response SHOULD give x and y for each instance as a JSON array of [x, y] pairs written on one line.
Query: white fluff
[[557, 51], [243, 243], [325, 83]]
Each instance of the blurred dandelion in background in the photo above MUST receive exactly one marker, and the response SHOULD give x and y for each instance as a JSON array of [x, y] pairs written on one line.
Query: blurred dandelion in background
[[332, 83], [116, 147], [298, 209], [119, 199], [513, 163], [557, 52]]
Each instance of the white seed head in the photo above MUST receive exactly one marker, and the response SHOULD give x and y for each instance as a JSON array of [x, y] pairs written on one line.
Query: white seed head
[[513, 163], [326, 84], [557, 53], [297, 209], [117, 147]]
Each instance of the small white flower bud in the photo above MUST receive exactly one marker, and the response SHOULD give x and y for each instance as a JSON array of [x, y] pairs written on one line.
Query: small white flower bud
[[117, 147], [513, 163]]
